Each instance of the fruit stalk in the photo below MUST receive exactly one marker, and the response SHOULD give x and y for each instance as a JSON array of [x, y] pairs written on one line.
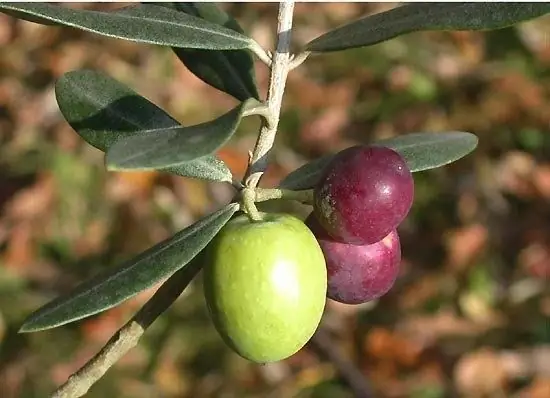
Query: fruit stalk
[[248, 199], [249, 196], [263, 194], [279, 71]]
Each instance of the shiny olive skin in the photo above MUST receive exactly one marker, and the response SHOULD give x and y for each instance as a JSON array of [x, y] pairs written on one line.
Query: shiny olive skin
[[364, 194], [265, 285], [358, 273]]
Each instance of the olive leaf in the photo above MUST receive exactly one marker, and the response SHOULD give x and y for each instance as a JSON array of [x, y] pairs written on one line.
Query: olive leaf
[[306, 176], [144, 23], [171, 147], [424, 151], [426, 16], [115, 285], [421, 151], [230, 71], [102, 110]]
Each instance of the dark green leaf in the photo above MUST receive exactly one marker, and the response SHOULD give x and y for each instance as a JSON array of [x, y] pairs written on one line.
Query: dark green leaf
[[26, 16], [102, 110], [170, 147], [230, 71], [422, 151], [145, 23], [426, 16], [113, 286]]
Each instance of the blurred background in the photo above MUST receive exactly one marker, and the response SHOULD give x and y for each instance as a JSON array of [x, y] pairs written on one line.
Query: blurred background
[[469, 315]]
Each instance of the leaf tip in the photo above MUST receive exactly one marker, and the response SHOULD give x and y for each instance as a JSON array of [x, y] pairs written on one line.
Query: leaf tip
[[29, 327], [24, 329]]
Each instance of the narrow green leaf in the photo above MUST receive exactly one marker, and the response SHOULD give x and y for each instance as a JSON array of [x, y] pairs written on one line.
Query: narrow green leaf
[[113, 286], [174, 146], [230, 71], [422, 151], [306, 176], [27, 17], [102, 110], [145, 23], [426, 16]]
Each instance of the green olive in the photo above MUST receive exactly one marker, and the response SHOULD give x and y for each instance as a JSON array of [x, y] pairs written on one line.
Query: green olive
[[265, 284]]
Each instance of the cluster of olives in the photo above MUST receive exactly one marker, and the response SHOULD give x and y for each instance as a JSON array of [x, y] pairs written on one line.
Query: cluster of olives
[[365, 195], [266, 282]]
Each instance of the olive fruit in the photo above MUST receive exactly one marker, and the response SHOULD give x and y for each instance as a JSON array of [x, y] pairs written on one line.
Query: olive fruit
[[358, 273], [364, 194], [265, 285]]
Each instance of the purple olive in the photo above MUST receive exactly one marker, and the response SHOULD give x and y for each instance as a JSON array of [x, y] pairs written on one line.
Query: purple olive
[[358, 273], [364, 194]]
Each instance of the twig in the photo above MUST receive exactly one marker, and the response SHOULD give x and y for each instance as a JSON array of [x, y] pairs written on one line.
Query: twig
[[277, 81], [324, 347], [128, 336]]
